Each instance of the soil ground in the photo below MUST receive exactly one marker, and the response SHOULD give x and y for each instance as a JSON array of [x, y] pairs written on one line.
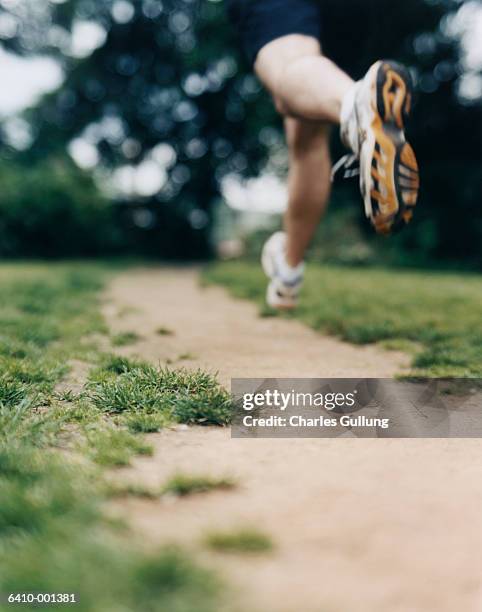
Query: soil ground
[[359, 525]]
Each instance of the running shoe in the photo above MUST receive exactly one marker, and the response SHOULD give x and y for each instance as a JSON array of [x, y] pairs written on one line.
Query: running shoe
[[285, 282], [373, 120]]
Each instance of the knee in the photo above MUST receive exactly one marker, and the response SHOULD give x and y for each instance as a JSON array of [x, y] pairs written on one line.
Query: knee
[[281, 106], [278, 58], [282, 88]]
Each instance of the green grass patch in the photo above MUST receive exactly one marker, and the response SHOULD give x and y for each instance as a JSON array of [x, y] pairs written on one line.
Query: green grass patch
[[440, 312], [186, 357], [180, 485], [140, 422], [179, 395], [111, 446], [113, 364], [246, 540], [129, 489], [12, 391], [402, 344], [40, 494], [125, 338], [183, 485], [53, 535], [164, 331], [106, 573]]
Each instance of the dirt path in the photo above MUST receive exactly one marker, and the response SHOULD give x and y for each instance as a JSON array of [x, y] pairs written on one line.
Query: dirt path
[[358, 524]]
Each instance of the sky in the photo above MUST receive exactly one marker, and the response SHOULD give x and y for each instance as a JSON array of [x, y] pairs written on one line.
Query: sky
[[23, 81]]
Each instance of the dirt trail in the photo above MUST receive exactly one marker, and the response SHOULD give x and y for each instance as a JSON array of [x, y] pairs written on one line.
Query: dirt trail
[[359, 525]]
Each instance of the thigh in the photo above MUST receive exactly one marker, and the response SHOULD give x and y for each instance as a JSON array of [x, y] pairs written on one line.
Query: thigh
[[275, 56], [260, 22]]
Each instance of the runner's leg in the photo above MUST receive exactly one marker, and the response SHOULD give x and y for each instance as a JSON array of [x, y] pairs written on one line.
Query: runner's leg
[[303, 82], [308, 89], [308, 184]]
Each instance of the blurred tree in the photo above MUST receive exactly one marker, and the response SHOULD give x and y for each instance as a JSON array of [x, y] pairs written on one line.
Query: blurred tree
[[165, 93], [168, 93], [54, 211]]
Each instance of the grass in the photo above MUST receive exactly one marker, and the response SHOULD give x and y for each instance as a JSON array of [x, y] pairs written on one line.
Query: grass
[[53, 534], [112, 446], [186, 357], [180, 485], [122, 489], [140, 422], [125, 338], [183, 485], [245, 540], [176, 395], [164, 331], [435, 315]]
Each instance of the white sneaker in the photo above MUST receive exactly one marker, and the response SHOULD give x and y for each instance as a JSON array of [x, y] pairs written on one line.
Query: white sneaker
[[373, 118], [285, 282]]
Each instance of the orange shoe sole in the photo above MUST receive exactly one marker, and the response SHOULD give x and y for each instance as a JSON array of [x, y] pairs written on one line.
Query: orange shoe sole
[[395, 180]]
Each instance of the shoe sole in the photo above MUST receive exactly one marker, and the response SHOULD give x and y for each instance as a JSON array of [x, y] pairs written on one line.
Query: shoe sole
[[392, 176], [276, 302]]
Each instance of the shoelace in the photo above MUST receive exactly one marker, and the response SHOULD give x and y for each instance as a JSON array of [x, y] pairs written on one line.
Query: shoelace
[[350, 164]]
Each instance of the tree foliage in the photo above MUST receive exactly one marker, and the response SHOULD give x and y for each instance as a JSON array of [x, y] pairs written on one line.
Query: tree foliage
[[54, 210], [170, 73]]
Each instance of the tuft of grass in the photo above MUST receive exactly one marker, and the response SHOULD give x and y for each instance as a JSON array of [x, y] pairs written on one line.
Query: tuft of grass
[[180, 395], [22, 424], [125, 338], [402, 344], [120, 490], [140, 422], [184, 485], [12, 391], [41, 371], [180, 485], [208, 407], [111, 364], [164, 331], [439, 312], [186, 357], [109, 446], [245, 540]]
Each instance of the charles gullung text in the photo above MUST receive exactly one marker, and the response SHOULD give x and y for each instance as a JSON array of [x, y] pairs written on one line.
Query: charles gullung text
[[288, 401]]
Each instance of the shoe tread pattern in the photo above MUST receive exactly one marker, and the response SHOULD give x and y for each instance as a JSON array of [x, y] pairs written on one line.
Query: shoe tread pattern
[[394, 169]]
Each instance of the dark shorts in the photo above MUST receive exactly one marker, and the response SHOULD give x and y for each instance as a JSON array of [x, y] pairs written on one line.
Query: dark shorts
[[258, 22]]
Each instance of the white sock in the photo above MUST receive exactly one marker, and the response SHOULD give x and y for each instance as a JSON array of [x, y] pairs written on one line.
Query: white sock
[[289, 273]]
